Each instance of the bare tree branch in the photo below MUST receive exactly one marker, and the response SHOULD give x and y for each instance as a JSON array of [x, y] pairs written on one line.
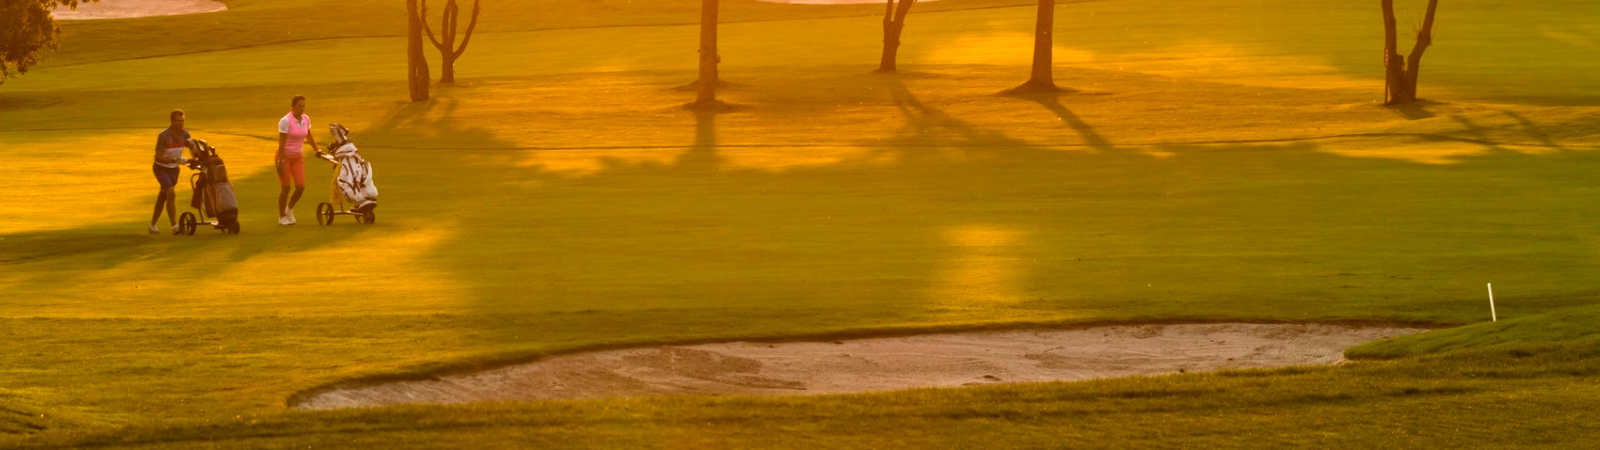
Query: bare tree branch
[[1424, 40], [471, 26], [425, 27]]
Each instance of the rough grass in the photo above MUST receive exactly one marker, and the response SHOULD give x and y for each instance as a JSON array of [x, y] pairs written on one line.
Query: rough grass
[[556, 199]]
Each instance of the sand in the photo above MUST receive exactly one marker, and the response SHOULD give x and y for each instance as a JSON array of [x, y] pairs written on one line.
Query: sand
[[879, 364], [123, 9]]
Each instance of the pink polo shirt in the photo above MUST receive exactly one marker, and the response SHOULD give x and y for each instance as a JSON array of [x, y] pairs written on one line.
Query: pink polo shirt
[[297, 130]]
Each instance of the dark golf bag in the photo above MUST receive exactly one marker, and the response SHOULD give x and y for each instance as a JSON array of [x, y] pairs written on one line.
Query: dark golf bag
[[213, 191], [227, 208]]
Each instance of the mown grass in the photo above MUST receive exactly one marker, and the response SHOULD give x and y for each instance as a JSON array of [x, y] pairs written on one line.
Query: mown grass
[[1463, 399], [1218, 161]]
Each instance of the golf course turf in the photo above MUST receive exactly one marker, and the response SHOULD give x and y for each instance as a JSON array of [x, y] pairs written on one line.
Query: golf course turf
[[1210, 161]]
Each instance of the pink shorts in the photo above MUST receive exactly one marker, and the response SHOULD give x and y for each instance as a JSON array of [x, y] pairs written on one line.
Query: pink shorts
[[292, 167]]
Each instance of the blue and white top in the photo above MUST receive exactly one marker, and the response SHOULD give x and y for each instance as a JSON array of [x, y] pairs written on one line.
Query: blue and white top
[[170, 144]]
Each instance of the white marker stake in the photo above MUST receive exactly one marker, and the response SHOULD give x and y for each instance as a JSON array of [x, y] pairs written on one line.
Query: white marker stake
[[1492, 314]]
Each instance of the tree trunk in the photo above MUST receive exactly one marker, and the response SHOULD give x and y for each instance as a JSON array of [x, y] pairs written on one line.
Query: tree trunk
[[416, 60], [1414, 60], [707, 86], [449, 26], [1401, 72], [447, 57], [1393, 64], [894, 21], [1043, 44], [448, 70]]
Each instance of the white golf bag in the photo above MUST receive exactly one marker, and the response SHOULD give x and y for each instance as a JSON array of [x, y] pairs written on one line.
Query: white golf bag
[[355, 174]]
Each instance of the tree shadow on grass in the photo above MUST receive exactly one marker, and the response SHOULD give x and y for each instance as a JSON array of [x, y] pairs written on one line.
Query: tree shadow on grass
[[931, 127], [946, 222], [702, 155], [1478, 133], [715, 241], [1416, 110], [1089, 135], [1531, 128]]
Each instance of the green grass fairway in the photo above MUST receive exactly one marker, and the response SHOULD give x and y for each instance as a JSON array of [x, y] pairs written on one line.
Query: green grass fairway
[[1214, 160]]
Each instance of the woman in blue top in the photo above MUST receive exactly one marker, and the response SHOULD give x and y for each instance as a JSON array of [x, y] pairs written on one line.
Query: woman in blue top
[[169, 154]]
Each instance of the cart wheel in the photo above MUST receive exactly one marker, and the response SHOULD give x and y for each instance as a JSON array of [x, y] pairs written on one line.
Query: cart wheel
[[369, 218], [186, 223], [325, 214], [233, 229]]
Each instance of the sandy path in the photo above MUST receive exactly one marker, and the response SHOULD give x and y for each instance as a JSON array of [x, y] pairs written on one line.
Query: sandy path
[[941, 360], [123, 9]]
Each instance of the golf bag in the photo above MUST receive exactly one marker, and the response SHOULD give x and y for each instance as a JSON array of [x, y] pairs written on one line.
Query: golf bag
[[355, 174], [227, 208], [213, 193]]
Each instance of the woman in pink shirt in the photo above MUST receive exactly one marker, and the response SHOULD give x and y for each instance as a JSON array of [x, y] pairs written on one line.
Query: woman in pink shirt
[[294, 130]]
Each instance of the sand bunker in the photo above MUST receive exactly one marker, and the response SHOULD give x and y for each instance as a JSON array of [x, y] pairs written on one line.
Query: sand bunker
[[941, 360], [123, 9]]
